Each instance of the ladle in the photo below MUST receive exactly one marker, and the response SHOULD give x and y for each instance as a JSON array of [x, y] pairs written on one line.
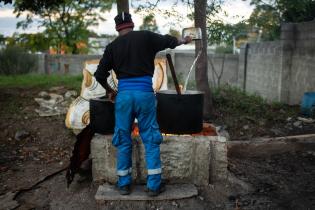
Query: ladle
[[170, 63]]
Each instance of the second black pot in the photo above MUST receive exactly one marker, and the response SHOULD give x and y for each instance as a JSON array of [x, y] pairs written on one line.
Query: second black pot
[[102, 116]]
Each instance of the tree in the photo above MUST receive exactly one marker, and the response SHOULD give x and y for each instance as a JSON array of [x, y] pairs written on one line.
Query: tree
[[38, 42], [220, 32], [269, 14], [2, 39], [149, 23], [65, 21], [122, 6], [6, 1], [174, 32], [201, 72]]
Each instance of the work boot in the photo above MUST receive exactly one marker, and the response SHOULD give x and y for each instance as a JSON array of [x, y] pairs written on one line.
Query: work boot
[[153, 193], [124, 190]]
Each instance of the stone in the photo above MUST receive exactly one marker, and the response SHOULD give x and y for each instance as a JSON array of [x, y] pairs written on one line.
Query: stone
[[43, 94], [21, 134], [70, 93], [277, 131], [186, 159], [57, 89], [297, 123], [306, 120], [108, 192], [246, 127], [201, 198]]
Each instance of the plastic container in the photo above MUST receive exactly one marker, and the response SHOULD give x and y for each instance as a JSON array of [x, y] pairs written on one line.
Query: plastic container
[[308, 104]]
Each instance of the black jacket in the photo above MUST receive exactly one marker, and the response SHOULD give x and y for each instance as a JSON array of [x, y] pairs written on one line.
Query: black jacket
[[132, 54]]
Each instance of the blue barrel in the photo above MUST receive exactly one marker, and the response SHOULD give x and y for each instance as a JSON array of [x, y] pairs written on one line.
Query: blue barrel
[[308, 104]]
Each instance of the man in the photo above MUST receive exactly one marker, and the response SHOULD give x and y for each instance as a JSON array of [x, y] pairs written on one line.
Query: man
[[131, 55]]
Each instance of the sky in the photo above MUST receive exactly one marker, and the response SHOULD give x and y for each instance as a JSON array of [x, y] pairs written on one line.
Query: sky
[[236, 10]]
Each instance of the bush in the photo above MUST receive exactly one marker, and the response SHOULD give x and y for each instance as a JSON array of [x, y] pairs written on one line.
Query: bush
[[224, 50], [15, 60]]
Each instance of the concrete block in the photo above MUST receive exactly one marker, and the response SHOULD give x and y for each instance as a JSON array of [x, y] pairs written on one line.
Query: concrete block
[[108, 192], [185, 159]]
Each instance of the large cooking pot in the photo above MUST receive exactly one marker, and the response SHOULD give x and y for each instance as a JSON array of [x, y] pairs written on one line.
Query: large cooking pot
[[180, 113], [102, 115]]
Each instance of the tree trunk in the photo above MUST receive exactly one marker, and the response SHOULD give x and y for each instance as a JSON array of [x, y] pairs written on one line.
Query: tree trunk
[[201, 73], [122, 6]]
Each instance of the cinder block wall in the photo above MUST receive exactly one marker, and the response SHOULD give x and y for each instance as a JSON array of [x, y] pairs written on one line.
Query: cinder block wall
[[63, 64], [225, 64], [264, 69], [281, 70], [303, 61]]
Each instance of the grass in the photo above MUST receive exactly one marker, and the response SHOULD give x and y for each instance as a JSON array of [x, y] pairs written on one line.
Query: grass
[[235, 108], [40, 81]]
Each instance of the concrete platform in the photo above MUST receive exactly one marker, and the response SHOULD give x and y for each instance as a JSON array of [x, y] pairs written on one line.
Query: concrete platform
[[108, 192], [198, 160]]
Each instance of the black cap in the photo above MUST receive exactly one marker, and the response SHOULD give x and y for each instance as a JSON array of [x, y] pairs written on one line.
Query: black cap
[[123, 20]]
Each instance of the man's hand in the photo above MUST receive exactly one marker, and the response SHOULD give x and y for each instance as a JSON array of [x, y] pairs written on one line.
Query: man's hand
[[185, 40], [111, 95]]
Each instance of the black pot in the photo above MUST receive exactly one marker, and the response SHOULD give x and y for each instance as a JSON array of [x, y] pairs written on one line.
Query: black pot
[[180, 114], [102, 116]]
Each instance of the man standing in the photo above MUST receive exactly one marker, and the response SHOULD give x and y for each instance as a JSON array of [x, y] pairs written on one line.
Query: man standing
[[131, 55]]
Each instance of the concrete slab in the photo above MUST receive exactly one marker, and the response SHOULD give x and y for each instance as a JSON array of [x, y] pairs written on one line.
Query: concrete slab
[[108, 192]]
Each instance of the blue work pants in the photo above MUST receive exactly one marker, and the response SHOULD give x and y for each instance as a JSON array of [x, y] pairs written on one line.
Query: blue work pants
[[141, 105]]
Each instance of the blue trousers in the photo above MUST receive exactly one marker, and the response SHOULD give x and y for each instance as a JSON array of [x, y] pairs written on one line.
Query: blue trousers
[[141, 105]]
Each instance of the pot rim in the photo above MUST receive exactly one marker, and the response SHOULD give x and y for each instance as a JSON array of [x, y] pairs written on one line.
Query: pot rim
[[187, 92]]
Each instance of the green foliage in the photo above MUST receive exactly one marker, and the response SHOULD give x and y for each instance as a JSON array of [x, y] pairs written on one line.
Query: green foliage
[[41, 80], [6, 1], [237, 103], [31, 42], [2, 39], [220, 32], [224, 49], [15, 60], [269, 14], [65, 21], [174, 32], [149, 24]]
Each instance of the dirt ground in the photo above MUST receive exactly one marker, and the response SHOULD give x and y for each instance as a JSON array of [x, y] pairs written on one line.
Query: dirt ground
[[282, 181]]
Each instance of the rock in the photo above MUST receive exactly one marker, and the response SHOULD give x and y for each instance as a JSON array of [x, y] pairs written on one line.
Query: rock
[[30, 149], [20, 135], [276, 131], [175, 204], [297, 123], [43, 94], [306, 120], [289, 119], [246, 127], [201, 198], [57, 89], [71, 93]]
